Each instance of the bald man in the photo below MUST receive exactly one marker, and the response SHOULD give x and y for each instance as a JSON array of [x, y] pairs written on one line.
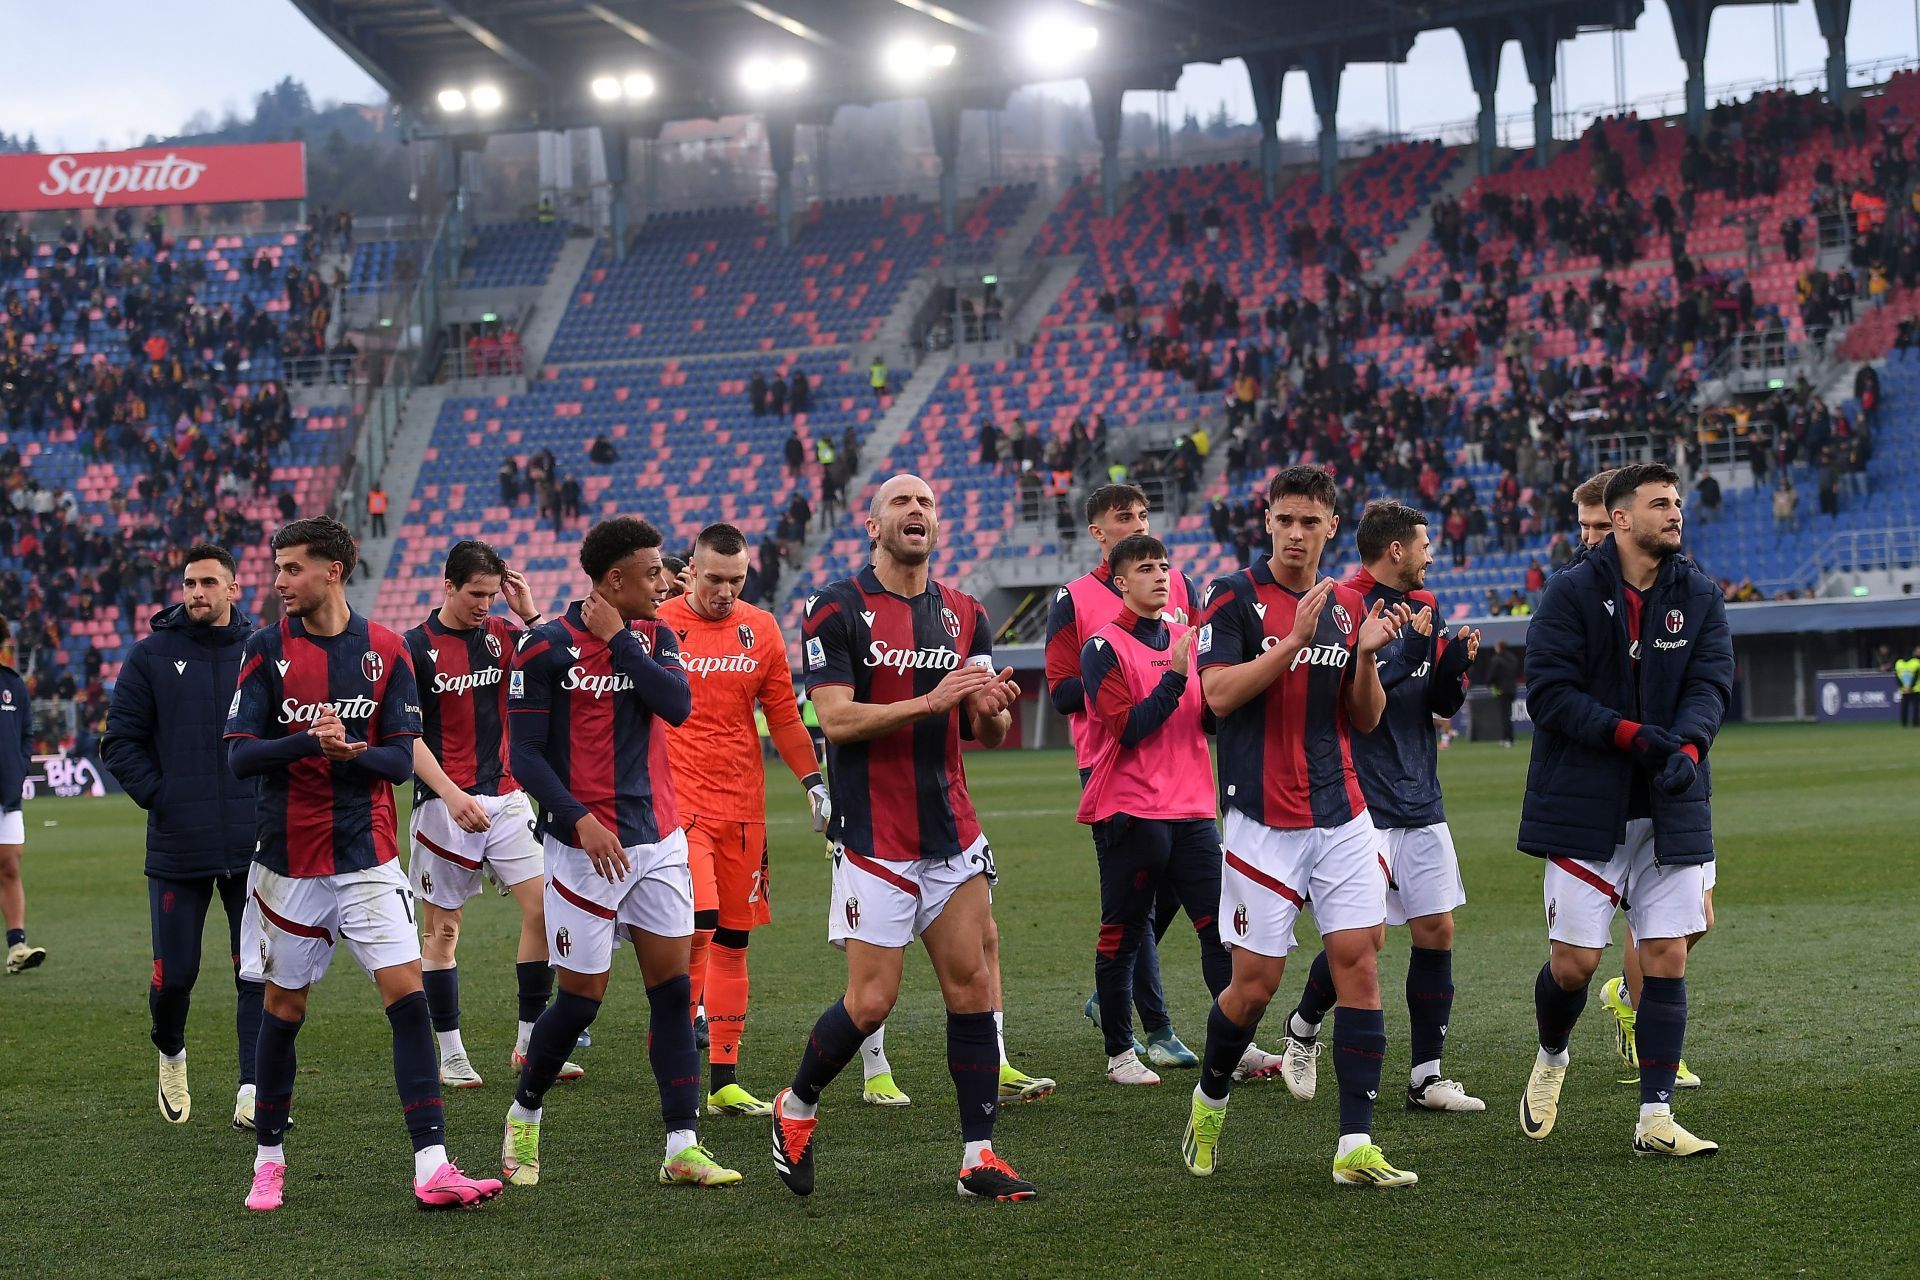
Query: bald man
[[900, 670]]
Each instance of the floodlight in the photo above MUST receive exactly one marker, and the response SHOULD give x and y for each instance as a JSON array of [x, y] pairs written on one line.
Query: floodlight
[[486, 98], [637, 85], [907, 59], [605, 88], [761, 74], [756, 75], [452, 101], [1056, 41]]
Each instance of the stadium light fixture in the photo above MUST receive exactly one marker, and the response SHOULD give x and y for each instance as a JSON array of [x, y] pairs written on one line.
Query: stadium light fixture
[[486, 98], [761, 74], [1056, 42], [908, 60], [634, 86], [452, 101]]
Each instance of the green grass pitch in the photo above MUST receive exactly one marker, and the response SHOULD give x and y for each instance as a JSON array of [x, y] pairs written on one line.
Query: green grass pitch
[[1804, 1028]]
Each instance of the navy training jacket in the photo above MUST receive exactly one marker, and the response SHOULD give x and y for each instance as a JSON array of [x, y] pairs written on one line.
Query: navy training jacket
[[163, 743], [1581, 683], [16, 738]]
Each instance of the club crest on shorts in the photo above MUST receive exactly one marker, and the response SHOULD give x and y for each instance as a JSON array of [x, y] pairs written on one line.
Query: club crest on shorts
[[1553, 909], [951, 621], [266, 966], [745, 633], [1342, 619], [1240, 919], [853, 913], [426, 882], [372, 666], [561, 942], [493, 644], [1675, 621]]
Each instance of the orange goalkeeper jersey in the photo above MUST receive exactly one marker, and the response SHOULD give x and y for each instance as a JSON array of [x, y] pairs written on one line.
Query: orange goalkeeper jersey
[[715, 755]]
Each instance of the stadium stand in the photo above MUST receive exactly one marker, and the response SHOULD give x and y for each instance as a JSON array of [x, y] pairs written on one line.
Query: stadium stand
[[142, 410], [689, 451], [716, 281], [509, 255]]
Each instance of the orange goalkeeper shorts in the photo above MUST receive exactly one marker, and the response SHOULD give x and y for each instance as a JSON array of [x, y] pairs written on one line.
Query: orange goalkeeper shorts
[[729, 865]]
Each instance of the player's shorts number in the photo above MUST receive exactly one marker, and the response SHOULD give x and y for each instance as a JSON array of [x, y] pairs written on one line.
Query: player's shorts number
[[983, 859], [406, 902]]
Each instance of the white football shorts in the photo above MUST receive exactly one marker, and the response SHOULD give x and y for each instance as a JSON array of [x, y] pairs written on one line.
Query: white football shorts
[[1271, 874], [1660, 902], [1423, 872], [889, 904], [585, 910], [291, 924], [444, 865]]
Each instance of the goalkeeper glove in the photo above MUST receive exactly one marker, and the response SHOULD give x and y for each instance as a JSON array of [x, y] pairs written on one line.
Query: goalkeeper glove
[[818, 801]]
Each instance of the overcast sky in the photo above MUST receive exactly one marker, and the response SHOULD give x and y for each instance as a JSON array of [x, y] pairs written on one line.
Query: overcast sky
[[131, 71]]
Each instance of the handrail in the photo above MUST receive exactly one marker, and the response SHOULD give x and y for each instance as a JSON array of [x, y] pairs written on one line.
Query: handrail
[[381, 400], [1852, 551]]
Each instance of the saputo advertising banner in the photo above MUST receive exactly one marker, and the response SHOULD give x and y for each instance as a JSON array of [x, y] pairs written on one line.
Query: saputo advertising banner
[[156, 176]]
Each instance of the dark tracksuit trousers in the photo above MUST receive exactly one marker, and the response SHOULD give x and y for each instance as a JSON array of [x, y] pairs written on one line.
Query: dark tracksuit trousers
[[1149, 868]]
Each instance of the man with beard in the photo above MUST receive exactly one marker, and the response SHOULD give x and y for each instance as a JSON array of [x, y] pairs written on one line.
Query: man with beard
[[1424, 673], [1629, 673], [900, 668], [324, 717], [163, 744]]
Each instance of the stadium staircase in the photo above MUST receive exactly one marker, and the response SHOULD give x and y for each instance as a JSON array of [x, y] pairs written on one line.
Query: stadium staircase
[[405, 453], [550, 305], [1403, 244]]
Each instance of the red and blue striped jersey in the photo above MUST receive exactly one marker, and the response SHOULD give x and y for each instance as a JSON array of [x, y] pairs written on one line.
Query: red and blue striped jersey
[[902, 797], [587, 736], [462, 674], [1286, 757], [317, 817]]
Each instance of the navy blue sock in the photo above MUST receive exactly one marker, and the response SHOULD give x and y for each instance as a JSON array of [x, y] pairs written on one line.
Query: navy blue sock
[[443, 997], [246, 1025], [554, 1035], [1359, 1047], [1659, 1031], [1555, 1011], [830, 1047], [416, 1071], [1317, 997], [273, 1082], [1429, 1002], [535, 979], [973, 1057], [673, 1053], [1226, 1043], [16, 936]]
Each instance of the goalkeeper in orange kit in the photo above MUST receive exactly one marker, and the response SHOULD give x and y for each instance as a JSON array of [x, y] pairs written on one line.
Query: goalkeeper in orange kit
[[734, 656]]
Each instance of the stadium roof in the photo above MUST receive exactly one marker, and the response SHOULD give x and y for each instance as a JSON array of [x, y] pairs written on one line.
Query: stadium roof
[[543, 54]]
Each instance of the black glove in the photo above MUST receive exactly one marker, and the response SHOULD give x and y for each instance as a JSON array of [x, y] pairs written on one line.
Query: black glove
[[1678, 775], [1648, 744]]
